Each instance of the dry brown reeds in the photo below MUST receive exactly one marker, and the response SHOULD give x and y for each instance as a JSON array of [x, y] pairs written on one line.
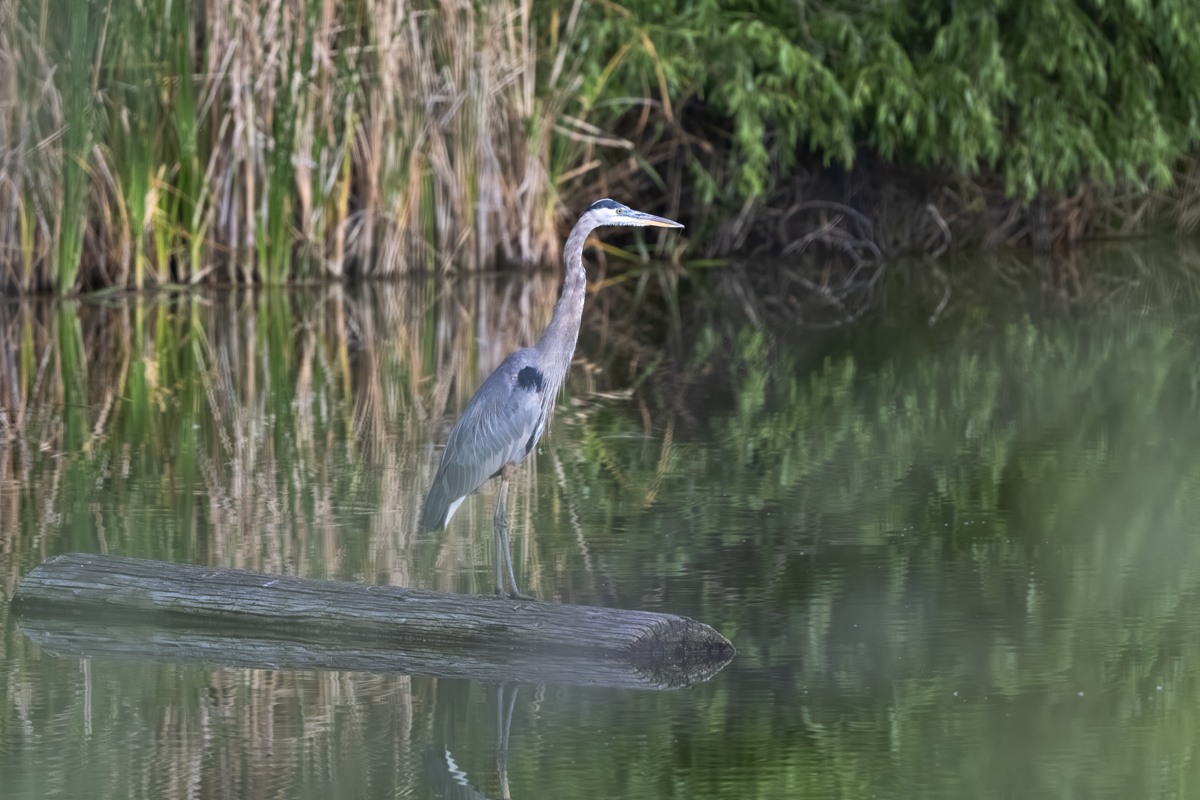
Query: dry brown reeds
[[276, 140]]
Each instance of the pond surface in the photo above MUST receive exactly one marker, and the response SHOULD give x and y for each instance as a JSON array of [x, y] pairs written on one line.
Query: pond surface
[[958, 556]]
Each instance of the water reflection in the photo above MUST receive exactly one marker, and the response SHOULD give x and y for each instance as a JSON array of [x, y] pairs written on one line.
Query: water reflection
[[447, 776], [956, 560]]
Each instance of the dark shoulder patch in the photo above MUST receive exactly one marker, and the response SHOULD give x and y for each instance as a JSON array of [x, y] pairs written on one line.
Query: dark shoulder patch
[[531, 379]]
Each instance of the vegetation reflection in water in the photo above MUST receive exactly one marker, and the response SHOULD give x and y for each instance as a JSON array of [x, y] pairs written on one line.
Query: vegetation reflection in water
[[955, 561]]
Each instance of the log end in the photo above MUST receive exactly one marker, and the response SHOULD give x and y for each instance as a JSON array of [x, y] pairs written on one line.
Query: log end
[[680, 651]]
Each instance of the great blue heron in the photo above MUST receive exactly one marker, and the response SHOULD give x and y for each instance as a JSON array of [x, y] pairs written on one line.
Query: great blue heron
[[505, 418]]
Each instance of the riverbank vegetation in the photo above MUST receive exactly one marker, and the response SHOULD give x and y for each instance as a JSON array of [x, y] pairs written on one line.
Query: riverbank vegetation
[[305, 139]]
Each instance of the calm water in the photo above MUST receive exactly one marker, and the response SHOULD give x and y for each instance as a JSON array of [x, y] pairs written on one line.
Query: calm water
[[957, 559]]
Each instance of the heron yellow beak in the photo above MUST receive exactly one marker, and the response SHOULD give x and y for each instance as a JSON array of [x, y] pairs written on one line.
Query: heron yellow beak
[[642, 218]]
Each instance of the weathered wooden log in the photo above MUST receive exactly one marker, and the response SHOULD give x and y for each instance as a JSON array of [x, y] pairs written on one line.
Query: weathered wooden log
[[96, 604]]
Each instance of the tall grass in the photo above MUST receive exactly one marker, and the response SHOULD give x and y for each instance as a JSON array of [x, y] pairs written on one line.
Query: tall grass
[[280, 139]]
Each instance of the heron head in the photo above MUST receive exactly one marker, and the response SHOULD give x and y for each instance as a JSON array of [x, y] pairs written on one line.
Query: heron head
[[610, 212]]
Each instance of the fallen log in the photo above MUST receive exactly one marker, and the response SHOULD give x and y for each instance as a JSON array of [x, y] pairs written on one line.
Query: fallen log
[[95, 604]]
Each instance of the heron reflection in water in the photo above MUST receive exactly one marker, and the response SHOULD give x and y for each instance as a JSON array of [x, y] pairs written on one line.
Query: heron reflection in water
[[505, 418]]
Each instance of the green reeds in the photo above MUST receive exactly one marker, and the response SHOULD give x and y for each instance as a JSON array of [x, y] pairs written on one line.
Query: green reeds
[[272, 141]]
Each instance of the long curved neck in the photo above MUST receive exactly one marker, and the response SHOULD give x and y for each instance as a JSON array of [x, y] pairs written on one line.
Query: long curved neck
[[557, 344]]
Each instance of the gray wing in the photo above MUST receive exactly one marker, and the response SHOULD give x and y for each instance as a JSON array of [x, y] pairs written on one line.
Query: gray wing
[[500, 425]]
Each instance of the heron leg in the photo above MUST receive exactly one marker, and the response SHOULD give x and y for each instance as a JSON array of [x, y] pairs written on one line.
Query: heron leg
[[500, 530], [503, 548]]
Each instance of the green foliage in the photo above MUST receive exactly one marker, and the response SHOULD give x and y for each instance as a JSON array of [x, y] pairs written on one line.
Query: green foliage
[[79, 112], [1049, 94]]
